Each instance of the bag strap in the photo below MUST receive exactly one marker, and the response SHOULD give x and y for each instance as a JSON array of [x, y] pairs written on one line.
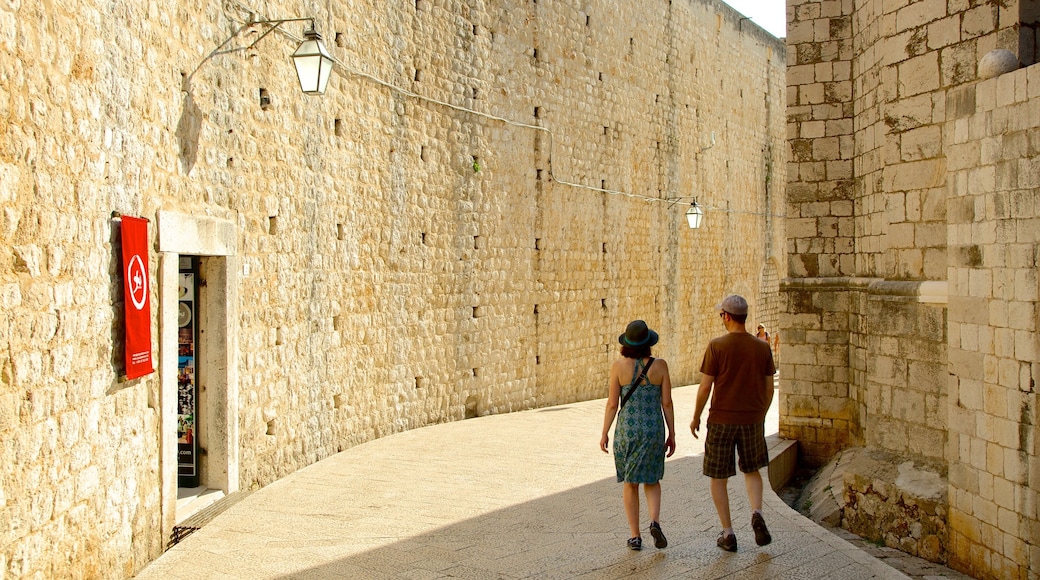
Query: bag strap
[[635, 384]]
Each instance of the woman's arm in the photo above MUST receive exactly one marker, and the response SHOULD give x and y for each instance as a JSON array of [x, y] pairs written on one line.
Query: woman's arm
[[667, 407], [613, 399]]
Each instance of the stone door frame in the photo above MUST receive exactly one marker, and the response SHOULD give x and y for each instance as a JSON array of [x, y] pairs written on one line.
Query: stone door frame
[[214, 240]]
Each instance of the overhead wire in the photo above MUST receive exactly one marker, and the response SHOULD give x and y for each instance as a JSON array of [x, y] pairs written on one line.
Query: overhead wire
[[552, 136]]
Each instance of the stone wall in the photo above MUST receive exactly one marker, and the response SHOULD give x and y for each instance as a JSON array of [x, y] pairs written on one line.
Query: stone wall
[[908, 224], [994, 452], [462, 225]]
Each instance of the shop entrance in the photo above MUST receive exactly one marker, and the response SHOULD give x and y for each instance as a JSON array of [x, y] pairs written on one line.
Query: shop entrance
[[187, 386], [198, 364]]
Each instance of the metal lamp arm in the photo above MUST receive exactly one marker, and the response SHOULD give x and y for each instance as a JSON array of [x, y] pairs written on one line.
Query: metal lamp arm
[[273, 25]]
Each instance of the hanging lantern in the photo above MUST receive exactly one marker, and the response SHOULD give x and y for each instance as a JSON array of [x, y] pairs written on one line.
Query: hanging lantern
[[313, 64]]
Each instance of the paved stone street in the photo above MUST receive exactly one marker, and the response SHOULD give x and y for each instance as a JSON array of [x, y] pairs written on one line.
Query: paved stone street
[[522, 495]]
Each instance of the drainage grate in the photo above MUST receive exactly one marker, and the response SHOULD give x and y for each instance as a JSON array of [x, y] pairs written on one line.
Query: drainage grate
[[204, 516]]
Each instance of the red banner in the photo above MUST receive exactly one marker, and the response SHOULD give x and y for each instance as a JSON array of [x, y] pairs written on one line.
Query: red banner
[[137, 297]]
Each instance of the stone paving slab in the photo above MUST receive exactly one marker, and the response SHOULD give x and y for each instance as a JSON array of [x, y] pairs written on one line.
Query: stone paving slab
[[522, 495]]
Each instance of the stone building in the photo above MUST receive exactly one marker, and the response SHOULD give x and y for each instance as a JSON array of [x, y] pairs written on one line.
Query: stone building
[[462, 225], [911, 313]]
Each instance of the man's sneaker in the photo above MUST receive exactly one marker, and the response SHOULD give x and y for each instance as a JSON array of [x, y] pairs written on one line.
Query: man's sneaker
[[728, 543], [635, 543], [758, 523], [659, 540]]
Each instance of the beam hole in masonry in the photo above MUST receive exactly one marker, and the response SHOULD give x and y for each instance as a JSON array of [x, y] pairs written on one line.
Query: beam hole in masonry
[[338, 401], [272, 225], [270, 427], [341, 232]]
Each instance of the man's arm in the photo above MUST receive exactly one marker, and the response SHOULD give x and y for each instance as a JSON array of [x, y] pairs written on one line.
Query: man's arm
[[767, 384], [703, 392]]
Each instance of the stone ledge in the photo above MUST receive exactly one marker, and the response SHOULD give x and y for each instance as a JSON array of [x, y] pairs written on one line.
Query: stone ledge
[[783, 460]]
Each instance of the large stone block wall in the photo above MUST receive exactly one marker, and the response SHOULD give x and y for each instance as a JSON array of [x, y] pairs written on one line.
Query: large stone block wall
[[994, 362], [867, 105], [909, 239], [402, 251]]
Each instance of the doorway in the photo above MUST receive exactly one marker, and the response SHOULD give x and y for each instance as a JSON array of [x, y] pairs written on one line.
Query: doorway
[[198, 364]]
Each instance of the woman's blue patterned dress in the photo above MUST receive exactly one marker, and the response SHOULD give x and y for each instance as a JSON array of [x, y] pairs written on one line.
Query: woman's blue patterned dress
[[639, 433]]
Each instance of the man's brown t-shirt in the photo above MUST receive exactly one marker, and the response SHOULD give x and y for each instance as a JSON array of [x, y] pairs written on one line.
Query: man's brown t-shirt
[[738, 361]]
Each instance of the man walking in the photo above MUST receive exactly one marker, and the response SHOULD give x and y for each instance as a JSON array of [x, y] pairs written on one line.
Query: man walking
[[740, 366]]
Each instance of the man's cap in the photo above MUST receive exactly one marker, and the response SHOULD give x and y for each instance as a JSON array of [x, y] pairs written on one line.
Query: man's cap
[[734, 304]]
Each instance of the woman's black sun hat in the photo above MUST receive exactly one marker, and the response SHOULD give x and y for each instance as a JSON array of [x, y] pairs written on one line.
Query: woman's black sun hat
[[638, 334]]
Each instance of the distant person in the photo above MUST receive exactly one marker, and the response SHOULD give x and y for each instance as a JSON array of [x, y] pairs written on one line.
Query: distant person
[[645, 431], [740, 367], [762, 333]]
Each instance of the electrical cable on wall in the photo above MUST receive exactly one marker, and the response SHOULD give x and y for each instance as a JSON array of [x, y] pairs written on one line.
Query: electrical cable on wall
[[552, 137]]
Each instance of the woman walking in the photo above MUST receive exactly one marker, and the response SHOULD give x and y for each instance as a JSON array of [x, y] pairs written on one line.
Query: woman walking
[[645, 430]]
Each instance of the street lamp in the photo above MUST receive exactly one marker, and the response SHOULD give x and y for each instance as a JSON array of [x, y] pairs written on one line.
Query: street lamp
[[312, 60], [313, 63], [695, 215]]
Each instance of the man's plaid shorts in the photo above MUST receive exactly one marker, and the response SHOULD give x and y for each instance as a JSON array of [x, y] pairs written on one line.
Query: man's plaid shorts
[[749, 441]]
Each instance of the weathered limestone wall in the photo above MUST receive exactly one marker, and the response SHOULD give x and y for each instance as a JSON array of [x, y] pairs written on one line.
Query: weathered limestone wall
[[897, 213], [374, 261], [993, 144]]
